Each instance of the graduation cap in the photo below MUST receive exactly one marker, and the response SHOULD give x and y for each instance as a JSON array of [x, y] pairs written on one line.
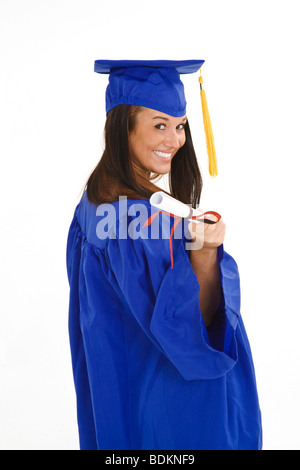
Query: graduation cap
[[155, 84]]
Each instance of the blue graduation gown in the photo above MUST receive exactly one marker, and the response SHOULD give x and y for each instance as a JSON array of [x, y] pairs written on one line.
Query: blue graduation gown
[[148, 373]]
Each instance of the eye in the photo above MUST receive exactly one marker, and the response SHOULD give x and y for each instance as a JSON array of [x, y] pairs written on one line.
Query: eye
[[180, 127], [160, 127]]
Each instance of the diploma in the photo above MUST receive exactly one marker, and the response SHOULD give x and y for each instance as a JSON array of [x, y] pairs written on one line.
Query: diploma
[[166, 203]]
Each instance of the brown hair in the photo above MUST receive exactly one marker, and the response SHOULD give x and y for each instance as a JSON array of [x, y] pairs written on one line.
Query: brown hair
[[114, 175]]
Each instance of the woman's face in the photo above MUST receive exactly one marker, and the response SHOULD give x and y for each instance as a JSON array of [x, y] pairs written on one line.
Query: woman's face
[[155, 140]]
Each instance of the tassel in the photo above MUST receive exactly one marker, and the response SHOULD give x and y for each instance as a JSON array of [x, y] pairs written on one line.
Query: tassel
[[210, 143]]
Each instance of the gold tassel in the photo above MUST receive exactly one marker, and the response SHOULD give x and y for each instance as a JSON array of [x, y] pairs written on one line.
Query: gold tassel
[[210, 143]]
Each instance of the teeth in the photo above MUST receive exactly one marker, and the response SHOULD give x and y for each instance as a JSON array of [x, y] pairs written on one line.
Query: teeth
[[162, 154]]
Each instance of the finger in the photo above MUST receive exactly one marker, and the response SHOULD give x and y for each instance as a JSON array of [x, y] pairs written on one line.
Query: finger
[[211, 217], [215, 228], [220, 231], [215, 233]]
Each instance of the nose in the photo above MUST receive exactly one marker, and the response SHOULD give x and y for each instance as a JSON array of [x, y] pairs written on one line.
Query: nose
[[173, 140]]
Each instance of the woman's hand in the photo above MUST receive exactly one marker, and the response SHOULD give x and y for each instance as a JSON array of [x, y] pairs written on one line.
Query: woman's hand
[[206, 236], [204, 260]]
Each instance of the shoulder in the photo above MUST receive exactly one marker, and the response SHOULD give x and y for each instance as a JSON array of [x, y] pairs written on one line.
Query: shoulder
[[130, 225], [123, 219]]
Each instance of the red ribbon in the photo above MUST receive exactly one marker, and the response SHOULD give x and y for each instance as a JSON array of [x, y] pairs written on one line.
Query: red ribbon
[[176, 222]]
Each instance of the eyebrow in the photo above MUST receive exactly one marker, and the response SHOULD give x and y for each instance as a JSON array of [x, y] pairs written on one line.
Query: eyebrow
[[166, 119]]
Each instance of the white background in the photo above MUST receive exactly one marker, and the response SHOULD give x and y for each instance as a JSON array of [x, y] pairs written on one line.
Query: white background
[[51, 124]]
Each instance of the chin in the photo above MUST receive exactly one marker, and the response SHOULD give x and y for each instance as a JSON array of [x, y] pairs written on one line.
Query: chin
[[163, 169], [165, 172]]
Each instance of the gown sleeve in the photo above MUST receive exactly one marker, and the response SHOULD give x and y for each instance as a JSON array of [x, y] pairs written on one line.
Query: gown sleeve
[[86, 425], [165, 303]]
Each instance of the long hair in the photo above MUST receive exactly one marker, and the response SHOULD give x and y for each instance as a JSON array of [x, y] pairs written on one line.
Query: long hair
[[114, 175]]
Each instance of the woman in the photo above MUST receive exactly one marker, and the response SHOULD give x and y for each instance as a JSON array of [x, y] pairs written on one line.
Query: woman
[[158, 363]]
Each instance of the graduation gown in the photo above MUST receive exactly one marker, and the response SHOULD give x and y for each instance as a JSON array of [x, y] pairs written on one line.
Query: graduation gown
[[148, 373]]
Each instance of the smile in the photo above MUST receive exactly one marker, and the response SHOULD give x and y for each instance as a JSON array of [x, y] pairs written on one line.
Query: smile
[[163, 154]]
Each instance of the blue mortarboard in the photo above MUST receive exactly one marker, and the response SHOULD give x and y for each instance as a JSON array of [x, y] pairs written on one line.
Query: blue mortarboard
[[155, 84]]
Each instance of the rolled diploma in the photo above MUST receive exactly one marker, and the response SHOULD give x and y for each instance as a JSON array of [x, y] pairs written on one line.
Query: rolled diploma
[[167, 203]]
